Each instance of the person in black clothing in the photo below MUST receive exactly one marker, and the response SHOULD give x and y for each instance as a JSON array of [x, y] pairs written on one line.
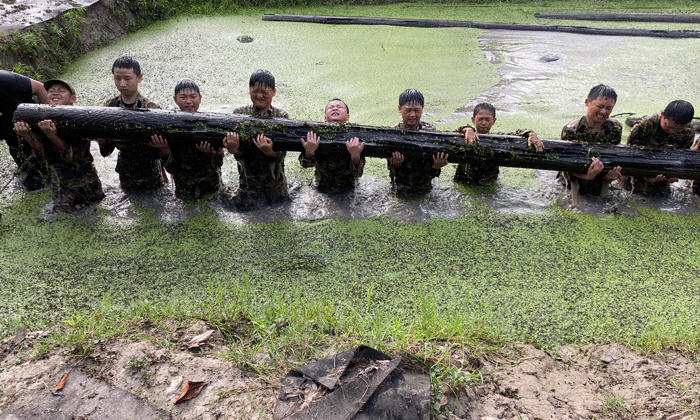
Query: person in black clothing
[[16, 89]]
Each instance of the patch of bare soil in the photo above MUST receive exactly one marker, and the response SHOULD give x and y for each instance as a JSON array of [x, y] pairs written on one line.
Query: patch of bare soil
[[123, 379]]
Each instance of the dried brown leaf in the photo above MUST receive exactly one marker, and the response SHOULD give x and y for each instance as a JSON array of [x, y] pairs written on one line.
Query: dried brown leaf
[[192, 389], [62, 383], [198, 340]]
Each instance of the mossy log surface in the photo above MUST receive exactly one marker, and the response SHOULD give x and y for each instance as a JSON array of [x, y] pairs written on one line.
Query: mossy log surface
[[434, 23], [184, 127]]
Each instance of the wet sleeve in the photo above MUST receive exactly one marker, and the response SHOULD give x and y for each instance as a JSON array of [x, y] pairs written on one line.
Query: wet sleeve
[[357, 171], [307, 163]]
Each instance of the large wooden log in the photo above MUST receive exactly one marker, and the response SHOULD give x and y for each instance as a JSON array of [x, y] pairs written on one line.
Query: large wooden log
[[625, 17], [380, 142], [432, 23]]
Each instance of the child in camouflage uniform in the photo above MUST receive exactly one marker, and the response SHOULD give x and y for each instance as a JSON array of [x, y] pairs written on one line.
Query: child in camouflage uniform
[[413, 175], [336, 172], [260, 168], [196, 170], [594, 127], [484, 118], [669, 129], [138, 165], [74, 180]]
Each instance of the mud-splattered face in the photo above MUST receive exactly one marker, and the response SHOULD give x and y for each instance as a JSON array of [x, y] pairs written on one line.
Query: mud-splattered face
[[483, 121], [410, 114], [599, 109], [188, 100], [671, 127], [261, 96]]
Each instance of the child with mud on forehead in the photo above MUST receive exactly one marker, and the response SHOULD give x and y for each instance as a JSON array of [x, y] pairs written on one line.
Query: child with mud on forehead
[[484, 118], [196, 169], [260, 168]]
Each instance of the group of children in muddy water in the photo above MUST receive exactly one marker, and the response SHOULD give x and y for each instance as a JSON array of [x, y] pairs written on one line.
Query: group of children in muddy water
[[196, 169]]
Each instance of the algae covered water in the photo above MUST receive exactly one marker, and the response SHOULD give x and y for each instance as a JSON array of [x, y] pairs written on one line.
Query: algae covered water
[[512, 256]]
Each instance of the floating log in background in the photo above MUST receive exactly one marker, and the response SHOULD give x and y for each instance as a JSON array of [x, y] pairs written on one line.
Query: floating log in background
[[624, 17], [432, 23], [380, 142]]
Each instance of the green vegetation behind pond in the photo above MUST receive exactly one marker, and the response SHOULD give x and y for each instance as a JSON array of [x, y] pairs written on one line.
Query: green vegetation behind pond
[[547, 279]]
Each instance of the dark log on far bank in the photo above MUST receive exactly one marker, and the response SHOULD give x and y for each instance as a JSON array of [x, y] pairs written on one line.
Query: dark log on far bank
[[380, 142], [432, 23], [624, 17]]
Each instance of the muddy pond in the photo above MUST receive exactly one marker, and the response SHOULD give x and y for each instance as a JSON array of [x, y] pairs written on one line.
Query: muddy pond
[[514, 254]]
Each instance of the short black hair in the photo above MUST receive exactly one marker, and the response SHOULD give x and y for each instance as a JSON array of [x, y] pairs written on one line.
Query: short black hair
[[127, 62], [186, 84], [602, 90], [347, 108], [411, 95], [263, 77], [680, 112], [485, 106]]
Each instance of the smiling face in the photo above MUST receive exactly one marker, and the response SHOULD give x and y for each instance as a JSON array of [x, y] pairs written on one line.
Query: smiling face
[[127, 82], [483, 121], [188, 100], [337, 112], [261, 96], [60, 95], [599, 110], [410, 114]]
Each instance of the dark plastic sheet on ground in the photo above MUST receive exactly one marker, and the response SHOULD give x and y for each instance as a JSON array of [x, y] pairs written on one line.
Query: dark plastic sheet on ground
[[358, 384]]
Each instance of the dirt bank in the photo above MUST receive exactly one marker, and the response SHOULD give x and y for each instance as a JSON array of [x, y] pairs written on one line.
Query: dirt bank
[[126, 379], [45, 48]]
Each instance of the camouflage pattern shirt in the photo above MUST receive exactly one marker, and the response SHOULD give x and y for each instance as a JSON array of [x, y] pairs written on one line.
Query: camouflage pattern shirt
[[335, 172], [415, 175], [481, 173], [577, 131], [260, 175], [648, 133], [74, 180], [139, 166], [195, 174]]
